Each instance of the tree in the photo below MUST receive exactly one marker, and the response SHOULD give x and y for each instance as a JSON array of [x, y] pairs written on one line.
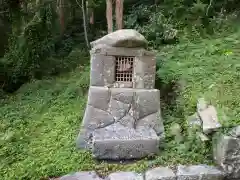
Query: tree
[[83, 7], [109, 15], [118, 12]]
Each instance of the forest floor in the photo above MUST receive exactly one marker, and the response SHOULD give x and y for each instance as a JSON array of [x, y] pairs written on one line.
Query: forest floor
[[40, 122]]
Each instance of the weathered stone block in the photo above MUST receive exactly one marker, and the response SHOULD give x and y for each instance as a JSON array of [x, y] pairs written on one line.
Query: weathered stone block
[[226, 152], [127, 121], [96, 74], [119, 142], [160, 173], [96, 118], [199, 172], [99, 97], [118, 109], [147, 102], [109, 71], [125, 176], [152, 121], [124, 95], [81, 176], [209, 119]]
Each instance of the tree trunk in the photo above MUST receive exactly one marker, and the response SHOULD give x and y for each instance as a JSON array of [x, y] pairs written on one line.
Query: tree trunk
[[84, 23], [119, 14], [91, 21], [109, 16], [61, 16]]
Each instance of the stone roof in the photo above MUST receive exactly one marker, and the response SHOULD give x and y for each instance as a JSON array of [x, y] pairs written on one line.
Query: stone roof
[[129, 38]]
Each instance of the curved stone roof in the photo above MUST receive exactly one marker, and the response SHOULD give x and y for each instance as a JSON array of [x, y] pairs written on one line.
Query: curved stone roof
[[129, 38]]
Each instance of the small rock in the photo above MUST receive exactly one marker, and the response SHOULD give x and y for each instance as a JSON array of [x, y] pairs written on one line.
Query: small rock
[[209, 119], [160, 173], [194, 120], [124, 176], [199, 172], [226, 152], [201, 104], [235, 132], [91, 175], [203, 137]]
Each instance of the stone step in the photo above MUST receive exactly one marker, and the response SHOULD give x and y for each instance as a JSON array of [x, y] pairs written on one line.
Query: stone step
[[117, 142]]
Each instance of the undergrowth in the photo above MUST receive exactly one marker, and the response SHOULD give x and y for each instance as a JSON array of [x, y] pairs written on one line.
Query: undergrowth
[[40, 122]]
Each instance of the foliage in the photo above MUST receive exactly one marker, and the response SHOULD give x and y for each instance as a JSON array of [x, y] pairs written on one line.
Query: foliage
[[167, 21], [31, 47]]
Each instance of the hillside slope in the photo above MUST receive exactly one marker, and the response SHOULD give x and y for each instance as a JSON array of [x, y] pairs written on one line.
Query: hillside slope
[[40, 122]]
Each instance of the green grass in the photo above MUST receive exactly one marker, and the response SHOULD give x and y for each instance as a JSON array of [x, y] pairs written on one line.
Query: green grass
[[39, 123]]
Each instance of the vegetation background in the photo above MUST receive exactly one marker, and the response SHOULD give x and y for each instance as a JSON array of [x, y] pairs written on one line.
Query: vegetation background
[[44, 77]]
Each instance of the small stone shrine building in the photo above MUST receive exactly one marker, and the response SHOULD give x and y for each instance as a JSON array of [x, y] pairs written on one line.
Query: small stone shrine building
[[122, 118]]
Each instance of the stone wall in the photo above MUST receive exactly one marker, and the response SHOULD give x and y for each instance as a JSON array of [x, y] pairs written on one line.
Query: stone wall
[[194, 172]]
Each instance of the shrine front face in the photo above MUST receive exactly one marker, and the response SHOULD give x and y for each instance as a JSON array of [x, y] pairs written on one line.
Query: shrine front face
[[122, 119], [123, 68]]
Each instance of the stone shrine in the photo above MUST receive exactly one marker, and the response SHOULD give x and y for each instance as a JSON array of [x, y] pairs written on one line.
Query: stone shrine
[[122, 119]]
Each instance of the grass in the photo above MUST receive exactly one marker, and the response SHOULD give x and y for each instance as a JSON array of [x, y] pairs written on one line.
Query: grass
[[40, 122]]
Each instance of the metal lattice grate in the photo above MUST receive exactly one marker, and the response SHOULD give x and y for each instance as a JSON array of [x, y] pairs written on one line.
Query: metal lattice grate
[[124, 69]]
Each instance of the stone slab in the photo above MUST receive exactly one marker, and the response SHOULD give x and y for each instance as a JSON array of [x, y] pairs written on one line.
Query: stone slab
[[81, 176], [152, 121], [160, 173], [125, 176], [96, 73], [99, 97], [209, 119], [199, 172], [147, 102], [118, 142]]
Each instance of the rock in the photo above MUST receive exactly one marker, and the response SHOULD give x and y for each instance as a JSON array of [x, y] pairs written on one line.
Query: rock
[[235, 132], [226, 152], [160, 173], [118, 109], [98, 97], [96, 118], [201, 104], [81, 176], [147, 102], [118, 142], [202, 137], [97, 67], [122, 38], [127, 121], [152, 121], [209, 119], [199, 172], [124, 176], [194, 121], [124, 95]]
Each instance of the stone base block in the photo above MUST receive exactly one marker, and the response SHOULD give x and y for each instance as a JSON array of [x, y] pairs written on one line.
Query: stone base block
[[117, 142]]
